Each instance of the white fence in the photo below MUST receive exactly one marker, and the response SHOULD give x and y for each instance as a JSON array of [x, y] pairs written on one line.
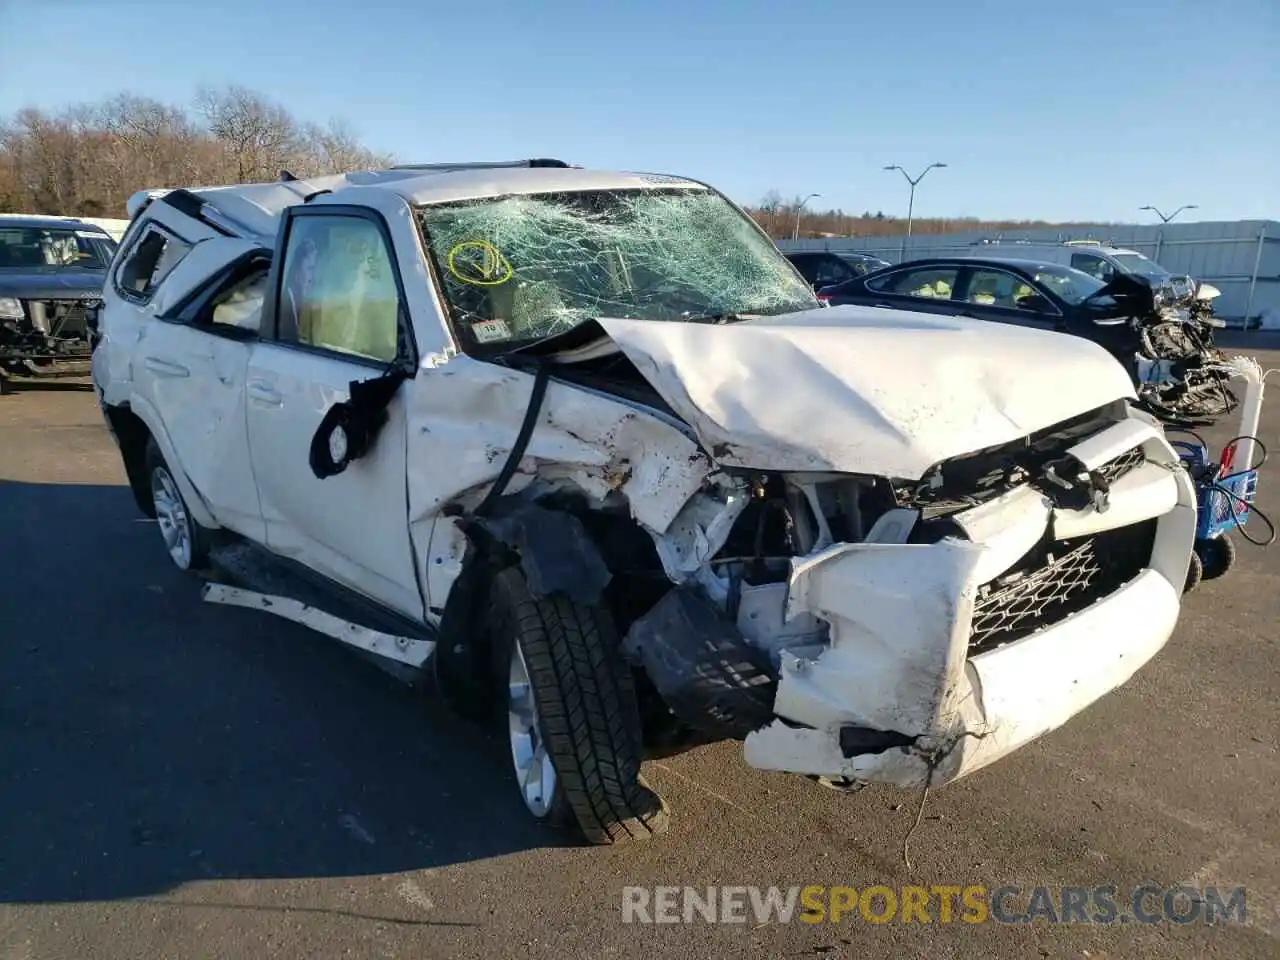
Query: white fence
[[1240, 257]]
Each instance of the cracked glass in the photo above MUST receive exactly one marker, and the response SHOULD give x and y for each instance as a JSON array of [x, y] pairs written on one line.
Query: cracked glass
[[525, 267]]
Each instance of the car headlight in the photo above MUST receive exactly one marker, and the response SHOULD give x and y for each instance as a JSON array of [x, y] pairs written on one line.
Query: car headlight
[[10, 308]]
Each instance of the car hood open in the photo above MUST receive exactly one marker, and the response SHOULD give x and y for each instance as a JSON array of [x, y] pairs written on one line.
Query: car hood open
[[865, 389]]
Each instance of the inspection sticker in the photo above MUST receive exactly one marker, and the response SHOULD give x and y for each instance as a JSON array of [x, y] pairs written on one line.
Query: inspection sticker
[[487, 331]]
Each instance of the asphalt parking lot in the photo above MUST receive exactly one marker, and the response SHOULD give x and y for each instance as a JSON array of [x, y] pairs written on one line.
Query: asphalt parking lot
[[179, 779]]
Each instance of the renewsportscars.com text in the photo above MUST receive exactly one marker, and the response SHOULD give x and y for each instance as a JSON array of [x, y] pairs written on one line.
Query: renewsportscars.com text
[[940, 903]]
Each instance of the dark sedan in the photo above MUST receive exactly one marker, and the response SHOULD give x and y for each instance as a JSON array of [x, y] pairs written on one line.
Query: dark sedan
[[1028, 293], [51, 275], [825, 269]]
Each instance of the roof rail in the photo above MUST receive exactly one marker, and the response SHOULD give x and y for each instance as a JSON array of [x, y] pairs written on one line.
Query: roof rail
[[482, 165]]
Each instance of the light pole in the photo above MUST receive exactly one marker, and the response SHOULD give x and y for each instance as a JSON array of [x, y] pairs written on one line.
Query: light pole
[[1164, 219], [795, 233], [911, 204]]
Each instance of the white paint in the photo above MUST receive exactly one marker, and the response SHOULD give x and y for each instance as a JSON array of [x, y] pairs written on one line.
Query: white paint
[[351, 527], [898, 660], [885, 392]]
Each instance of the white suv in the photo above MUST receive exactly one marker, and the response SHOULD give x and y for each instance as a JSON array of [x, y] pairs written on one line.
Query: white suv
[[586, 439]]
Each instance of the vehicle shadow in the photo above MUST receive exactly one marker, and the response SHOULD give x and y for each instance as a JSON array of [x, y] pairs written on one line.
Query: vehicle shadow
[[148, 739], [77, 384]]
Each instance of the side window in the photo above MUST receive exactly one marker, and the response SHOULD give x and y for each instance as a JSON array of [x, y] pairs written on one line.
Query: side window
[[239, 306], [996, 288], [143, 268], [830, 271], [1094, 266], [931, 282], [806, 265], [338, 290]]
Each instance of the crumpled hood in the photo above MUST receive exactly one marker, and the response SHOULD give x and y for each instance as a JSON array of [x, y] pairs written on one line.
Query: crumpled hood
[[865, 389], [51, 284]]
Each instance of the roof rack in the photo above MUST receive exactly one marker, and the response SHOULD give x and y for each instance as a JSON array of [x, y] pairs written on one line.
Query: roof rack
[[483, 164]]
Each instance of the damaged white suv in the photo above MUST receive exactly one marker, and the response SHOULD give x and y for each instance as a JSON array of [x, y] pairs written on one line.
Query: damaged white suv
[[584, 447]]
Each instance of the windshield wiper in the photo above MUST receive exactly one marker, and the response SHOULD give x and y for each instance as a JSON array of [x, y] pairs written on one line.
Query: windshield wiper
[[721, 318]]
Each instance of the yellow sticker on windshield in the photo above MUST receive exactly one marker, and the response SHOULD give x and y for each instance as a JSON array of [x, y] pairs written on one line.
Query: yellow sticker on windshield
[[478, 262]]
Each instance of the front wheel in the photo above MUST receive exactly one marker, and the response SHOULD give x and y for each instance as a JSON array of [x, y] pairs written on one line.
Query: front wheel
[[572, 718]]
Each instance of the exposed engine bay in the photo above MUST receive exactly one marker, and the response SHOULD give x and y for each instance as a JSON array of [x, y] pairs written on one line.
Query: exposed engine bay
[[1179, 372]]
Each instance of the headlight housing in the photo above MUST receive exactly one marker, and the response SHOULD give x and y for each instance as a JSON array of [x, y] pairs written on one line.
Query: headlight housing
[[10, 308]]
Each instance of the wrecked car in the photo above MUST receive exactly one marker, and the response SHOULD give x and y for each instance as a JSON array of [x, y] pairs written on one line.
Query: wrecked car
[[584, 449], [1162, 337], [51, 275]]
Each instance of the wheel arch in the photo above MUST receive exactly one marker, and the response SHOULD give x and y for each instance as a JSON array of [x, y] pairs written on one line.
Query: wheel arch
[[140, 422]]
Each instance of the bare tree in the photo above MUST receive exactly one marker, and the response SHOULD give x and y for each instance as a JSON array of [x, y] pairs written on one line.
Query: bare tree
[[260, 137], [89, 159]]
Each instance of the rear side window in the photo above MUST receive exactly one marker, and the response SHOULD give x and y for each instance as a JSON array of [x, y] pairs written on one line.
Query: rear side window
[[145, 265], [935, 283], [832, 270]]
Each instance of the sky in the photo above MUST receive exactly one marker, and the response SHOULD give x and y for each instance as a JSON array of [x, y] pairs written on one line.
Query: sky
[[1055, 111]]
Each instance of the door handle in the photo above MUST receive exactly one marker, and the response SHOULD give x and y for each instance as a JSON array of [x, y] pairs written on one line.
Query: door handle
[[264, 393], [166, 368]]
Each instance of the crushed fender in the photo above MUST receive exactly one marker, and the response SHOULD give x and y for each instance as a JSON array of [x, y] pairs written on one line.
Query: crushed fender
[[556, 553]]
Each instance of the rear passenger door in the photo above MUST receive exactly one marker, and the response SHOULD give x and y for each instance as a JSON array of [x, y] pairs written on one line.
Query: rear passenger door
[[336, 315], [1005, 297], [188, 358], [926, 289]]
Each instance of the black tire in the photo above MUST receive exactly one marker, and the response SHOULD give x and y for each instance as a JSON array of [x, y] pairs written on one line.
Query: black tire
[[6, 386], [197, 556], [586, 705], [1195, 573], [1217, 556]]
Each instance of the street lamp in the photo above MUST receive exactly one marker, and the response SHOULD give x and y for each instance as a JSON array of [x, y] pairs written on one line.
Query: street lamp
[[912, 202], [795, 233], [1186, 206]]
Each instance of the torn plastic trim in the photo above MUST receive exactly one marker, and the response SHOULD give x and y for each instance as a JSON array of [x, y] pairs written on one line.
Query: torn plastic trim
[[407, 650], [707, 673], [553, 547]]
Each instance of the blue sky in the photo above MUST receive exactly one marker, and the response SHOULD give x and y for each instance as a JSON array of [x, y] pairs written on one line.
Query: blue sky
[[1054, 111]]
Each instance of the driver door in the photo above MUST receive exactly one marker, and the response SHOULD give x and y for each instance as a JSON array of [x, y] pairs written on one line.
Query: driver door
[[337, 316]]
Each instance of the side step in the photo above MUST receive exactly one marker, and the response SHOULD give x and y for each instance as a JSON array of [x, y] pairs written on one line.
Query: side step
[[246, 575], [412, 653]]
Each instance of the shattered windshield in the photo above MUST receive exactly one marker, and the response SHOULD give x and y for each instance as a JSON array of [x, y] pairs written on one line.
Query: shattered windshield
[[525, 267], [44, 247]]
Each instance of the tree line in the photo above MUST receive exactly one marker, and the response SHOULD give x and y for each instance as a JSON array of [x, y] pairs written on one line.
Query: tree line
[[87, 160], [778, 218]]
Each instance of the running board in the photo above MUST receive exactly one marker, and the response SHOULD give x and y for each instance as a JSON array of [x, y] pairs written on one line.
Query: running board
[[411, 652]]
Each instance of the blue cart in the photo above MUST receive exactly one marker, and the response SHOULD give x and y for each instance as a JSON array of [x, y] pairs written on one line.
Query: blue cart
[[1224, 502]]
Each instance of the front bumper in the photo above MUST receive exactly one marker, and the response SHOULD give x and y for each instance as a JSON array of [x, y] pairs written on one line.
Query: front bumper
[[914, 688]]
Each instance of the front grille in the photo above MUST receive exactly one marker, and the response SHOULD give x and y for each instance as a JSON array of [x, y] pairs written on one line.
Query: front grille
[[1055, 580], [1116, 468]]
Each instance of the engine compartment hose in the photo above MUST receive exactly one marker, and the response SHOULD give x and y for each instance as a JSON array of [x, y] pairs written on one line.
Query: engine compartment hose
[[541, 376]]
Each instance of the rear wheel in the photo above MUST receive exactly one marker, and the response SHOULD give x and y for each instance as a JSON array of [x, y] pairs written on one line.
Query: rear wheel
[[572, 718], [185, 540]]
